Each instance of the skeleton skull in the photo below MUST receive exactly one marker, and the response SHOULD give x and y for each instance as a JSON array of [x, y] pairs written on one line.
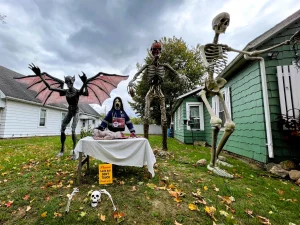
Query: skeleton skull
[[221, 22], [96, 195]]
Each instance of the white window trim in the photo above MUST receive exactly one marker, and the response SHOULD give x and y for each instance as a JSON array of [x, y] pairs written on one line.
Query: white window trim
[[200, 104], [215, 103], [40, 117], [179, 117]]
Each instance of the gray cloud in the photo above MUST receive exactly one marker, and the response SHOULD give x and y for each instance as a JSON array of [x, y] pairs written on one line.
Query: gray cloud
[[64, 37]]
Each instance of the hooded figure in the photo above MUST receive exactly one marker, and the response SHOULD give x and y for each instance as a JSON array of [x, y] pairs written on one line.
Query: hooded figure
[[116, 119]]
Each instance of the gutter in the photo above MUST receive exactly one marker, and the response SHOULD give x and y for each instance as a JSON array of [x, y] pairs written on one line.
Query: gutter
[[266, 103]]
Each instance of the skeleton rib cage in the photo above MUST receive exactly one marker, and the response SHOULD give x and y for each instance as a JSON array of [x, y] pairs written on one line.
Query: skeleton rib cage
[[214, 57]]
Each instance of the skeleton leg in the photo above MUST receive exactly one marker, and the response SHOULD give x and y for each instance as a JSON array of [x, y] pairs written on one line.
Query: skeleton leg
[[163, 118], [148, 99], [215, 123], [229, 129]]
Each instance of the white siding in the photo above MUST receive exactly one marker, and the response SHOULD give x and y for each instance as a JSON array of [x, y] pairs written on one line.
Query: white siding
[[20, 119]]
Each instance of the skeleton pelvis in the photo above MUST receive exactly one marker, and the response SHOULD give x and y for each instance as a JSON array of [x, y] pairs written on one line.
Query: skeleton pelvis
[[215, 85]]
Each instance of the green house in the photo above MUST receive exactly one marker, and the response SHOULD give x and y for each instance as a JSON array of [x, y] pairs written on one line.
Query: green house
[[257, 93]]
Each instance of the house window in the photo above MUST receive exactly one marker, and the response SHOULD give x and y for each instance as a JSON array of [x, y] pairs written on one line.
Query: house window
[[218, 108], [194, 115], [42, 118], [63, 115]]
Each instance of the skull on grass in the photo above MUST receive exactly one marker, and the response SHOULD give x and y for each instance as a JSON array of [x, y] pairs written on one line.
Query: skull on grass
[[221, 22], [95, 198]]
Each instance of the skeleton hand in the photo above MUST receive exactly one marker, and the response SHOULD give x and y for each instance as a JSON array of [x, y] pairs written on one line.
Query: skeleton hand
[[130, 88], [35, 69], [185, 79], [83, 78]]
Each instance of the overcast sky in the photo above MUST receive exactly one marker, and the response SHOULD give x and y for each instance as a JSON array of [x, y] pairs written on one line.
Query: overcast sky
[[65, 37]]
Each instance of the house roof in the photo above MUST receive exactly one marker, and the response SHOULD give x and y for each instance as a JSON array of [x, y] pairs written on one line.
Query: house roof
[[180, 98], [11, 88], [257, 42]]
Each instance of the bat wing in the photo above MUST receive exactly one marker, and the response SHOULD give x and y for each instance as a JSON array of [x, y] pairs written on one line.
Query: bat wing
[[36, 84], [100, 86]]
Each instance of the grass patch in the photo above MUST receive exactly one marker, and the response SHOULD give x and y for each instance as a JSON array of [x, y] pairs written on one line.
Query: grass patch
[[37, 184]]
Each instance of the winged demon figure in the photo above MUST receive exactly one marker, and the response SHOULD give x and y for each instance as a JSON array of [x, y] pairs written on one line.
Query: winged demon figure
[[95, 90]]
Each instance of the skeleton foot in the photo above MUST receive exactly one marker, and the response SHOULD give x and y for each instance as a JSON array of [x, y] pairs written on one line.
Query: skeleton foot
[[60, 154], [219, 172], [219, 162]]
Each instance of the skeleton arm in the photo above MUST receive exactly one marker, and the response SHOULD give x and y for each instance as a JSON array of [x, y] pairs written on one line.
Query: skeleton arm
[[186, 79], [254, 53], [137, 74]]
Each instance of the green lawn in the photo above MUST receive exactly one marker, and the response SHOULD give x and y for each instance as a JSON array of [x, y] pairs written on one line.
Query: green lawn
[[34, 186]]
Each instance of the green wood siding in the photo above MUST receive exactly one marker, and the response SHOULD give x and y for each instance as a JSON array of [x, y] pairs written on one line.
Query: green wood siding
[[282, 148], [249, 138]]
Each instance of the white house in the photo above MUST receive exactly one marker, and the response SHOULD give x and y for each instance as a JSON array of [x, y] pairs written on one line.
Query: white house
[[22, 115]]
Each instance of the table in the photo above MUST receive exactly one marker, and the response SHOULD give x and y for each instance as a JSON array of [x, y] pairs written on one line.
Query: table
[[122, 152]]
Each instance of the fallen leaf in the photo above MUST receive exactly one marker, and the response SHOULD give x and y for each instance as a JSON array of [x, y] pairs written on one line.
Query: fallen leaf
[[281, 192], [249, 195], [249, 212], [47, 198], [193, 207], [44, 214], [172, 186], [119, 217], [177, 199], [150, 185], [28, 208], [102, 217], [9, 203], [223, 213], [263, 220], [205, 188], [133, 188], [210, 211], [57, 214], [82, 214], [176, 223], [26, 197]]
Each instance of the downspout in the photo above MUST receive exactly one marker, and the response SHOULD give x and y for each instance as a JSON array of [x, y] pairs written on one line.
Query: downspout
[[266, 103]]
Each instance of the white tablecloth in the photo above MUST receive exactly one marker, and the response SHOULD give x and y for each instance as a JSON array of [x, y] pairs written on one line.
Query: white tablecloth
[[123, 152]]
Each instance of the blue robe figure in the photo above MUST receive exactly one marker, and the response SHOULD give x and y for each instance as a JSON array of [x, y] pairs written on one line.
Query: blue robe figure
[[116, 119]]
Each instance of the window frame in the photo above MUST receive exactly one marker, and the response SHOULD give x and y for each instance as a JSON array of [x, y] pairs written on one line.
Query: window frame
[[215, 103], [201, 114], [40, 114]]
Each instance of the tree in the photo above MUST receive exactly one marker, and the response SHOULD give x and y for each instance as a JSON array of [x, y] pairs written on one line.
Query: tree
[[184, 60]]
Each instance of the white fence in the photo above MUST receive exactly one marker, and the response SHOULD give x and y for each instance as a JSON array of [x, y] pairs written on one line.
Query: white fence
[[139, 129], [289, 90]]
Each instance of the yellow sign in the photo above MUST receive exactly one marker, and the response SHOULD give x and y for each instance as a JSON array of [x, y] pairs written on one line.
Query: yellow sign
[[105, 174]]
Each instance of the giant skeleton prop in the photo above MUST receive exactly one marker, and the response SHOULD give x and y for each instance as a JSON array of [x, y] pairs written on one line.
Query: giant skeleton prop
[[155, 74], [50, 90], [214, 57]]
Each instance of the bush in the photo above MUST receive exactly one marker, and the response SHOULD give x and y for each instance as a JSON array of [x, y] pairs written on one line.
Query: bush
[[86, 132]]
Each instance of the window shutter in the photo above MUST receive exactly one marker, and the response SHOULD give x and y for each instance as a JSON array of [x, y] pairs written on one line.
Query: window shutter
[[228, 100]]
